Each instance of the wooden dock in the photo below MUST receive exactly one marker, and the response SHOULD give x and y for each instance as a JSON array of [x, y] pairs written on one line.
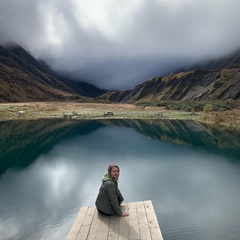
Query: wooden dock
[[141, 224]]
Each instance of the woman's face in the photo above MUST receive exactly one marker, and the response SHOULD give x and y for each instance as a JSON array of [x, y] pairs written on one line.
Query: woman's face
[[115, 173]]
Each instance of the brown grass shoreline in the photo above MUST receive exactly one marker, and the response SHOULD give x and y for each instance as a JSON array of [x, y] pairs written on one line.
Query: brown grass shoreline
[[78, 111], [38, 110]]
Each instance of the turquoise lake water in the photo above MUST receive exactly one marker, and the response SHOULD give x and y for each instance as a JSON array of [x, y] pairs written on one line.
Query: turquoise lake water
[[51, 168]]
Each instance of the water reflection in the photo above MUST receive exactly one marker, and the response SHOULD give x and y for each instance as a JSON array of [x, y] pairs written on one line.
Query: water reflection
[[52, 168], [23, 141]]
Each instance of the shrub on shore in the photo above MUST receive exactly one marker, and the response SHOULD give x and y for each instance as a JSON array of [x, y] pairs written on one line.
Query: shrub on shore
[[196, 106]]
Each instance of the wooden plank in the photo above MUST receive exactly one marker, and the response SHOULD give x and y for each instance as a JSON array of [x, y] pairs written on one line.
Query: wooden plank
[[95, 226], [124, 225], [143, 221], [86, 224], [114, 228], [133, 222], [77, 224], [152, 221], [141, 224], [103, 231]]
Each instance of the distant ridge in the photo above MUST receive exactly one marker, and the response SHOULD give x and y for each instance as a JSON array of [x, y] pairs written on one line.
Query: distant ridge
[[231, 60], [216, 80], [24, 78]]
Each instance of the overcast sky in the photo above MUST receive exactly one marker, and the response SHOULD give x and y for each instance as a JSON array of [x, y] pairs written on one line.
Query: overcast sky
[[117, 44]]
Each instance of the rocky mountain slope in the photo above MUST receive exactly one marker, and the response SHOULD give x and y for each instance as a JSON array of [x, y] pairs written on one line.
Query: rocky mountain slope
[[217, 80], [23, 78]]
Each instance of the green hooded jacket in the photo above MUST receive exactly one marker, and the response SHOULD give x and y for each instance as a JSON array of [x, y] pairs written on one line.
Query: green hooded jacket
[[109, 197]]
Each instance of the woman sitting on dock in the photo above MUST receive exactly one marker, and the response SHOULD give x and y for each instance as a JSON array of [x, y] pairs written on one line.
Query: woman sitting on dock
[[109, 197]]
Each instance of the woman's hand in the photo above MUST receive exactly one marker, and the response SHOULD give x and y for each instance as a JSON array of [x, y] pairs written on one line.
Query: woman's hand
[[125, 214]]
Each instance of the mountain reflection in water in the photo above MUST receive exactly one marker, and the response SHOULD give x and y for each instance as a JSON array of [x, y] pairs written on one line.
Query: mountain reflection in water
[[23, 141], [50, 168]]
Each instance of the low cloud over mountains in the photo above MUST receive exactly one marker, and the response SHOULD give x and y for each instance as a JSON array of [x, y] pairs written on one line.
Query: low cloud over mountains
[[119, 44]]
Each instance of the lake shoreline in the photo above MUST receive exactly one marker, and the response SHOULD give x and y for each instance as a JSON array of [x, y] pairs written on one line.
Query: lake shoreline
[[94, 111]]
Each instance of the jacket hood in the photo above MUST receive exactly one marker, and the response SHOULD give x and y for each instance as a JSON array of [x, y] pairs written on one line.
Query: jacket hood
[[106, 177]]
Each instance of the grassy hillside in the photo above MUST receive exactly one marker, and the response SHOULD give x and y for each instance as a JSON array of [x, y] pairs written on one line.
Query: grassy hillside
[[25, 79], [218, 80]]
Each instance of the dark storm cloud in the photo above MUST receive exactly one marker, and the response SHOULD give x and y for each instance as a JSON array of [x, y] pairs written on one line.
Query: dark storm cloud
[[125, 74], [119, 44]]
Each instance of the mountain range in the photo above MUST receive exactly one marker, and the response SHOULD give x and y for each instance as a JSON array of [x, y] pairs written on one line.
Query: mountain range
[[216, 80], [24, 79]]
